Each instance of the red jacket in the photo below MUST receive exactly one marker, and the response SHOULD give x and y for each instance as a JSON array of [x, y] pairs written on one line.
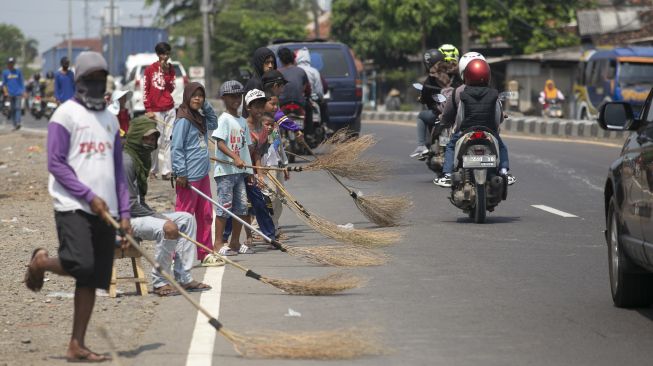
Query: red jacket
[[157, 88]]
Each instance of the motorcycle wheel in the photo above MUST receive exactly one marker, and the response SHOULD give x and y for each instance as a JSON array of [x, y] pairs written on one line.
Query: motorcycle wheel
[[479, 206]]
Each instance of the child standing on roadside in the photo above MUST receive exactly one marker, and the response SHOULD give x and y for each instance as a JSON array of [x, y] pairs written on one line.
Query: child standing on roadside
[[232, 144]]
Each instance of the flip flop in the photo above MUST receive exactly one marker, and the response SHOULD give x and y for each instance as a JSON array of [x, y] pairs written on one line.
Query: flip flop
[[34, 281], [196, 286], [86, 358], [166, 291]]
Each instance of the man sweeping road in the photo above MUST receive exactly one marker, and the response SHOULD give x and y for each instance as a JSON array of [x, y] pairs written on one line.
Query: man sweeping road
[[86, 181]]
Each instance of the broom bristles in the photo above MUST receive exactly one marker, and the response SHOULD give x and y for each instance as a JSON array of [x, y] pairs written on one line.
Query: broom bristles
[[328, 285], [339, 344], [340, 256], [366, 238], [383, 210]]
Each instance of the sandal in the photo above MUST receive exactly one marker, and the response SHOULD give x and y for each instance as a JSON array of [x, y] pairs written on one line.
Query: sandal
[[212, 260], [90, 357], [165, 291], [257, 237], [196, 286], [244, 249], [34, 279], [226, 251]]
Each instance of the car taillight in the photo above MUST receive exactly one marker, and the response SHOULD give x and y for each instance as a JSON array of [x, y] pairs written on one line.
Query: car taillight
[[137, 84], [359, 88], [185, 80], [478, 135]]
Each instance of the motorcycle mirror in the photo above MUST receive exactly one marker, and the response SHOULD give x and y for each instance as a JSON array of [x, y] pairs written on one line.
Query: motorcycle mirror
[[417, 86], [439, 98], [507, 95]]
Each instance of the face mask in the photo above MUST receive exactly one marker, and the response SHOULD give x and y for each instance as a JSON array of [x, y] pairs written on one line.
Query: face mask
[[149, 147], [91, 93]]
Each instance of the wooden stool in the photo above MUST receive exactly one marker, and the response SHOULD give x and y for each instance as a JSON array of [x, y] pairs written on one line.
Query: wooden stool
[[139, 275]]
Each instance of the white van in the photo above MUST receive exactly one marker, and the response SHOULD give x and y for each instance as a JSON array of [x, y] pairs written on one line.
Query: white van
[[135, 66]]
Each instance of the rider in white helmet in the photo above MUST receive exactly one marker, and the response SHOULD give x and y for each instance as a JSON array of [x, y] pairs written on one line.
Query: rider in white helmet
[[477, 86]]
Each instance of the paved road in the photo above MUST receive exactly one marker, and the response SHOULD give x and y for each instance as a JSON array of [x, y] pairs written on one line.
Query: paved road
[[529, 287]]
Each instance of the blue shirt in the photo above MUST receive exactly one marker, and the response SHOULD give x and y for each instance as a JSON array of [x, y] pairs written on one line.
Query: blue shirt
[[235, 134], [189, 148], [64, 85], [13, 81]]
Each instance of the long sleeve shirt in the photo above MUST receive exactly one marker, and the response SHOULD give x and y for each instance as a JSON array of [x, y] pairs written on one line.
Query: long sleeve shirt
[[13, 81], [137, 205], [189, 147], [85, 160], [64, 85], [158, 87]]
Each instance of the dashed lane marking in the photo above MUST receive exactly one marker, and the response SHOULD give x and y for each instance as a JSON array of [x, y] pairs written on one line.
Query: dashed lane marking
[[554, 211], [200, 352]]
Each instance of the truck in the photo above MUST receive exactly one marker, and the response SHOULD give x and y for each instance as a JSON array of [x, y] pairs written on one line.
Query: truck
[[129, 41]]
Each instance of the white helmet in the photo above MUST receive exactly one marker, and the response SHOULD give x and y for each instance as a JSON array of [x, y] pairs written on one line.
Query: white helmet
[[466, 59]]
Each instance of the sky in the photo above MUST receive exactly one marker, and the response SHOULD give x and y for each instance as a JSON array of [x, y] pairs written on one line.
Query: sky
[[43, 20]]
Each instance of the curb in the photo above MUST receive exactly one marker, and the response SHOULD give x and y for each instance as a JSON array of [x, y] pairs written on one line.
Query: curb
[[524, 125]]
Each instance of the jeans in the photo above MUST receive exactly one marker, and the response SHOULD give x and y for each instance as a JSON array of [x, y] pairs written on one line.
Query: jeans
[[151, 228], [447, 168], [263, 217], [16, 111], [425, 118]]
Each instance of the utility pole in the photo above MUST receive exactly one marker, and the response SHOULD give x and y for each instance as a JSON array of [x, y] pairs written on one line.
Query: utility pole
[[70, 30], [464, 26], [102, 24], [86, 17], [140, 18], [110, 63], [206, 6], [315, 9]]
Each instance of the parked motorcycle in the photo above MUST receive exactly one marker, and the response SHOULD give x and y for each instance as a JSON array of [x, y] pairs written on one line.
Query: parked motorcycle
[[439, 137], [552, 108]]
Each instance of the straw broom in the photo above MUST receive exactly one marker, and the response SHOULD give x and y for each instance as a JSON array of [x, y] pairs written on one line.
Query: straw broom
[[359, 237], [384, 211], [318, 255], [325, 345], [328, 285]]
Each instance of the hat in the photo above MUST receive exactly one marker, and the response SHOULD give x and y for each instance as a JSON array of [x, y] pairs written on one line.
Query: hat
[[253, 95], [231, 87], [11, 60], [273, 76], [88, 62], [114, 107]]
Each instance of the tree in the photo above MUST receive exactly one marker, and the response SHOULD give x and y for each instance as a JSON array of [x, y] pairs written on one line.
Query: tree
[[389, 31], [13, 43], [239, 27]]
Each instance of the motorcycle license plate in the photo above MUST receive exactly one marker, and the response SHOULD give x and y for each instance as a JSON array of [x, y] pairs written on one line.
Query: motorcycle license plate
[[479, 161]]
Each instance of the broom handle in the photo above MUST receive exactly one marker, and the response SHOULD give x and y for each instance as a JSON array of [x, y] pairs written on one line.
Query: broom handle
[[283, 190], [248, 272], [213, 321], [294, 169], [275, 243]]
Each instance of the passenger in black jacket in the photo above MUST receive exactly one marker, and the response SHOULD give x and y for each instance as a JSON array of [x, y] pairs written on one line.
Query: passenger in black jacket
[[263, 60]]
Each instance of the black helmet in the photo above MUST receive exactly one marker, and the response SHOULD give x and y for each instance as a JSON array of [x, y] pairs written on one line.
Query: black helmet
[[431, 57], [49, 75]]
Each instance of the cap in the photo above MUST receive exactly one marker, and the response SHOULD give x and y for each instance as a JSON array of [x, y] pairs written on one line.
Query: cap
[[11, 60], [253, 95], [231, 87], [88, 62], [114, 107], [273, 76]]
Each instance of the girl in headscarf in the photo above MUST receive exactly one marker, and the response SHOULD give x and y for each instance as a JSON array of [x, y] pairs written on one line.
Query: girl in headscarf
[[550, 92], [190, 160]]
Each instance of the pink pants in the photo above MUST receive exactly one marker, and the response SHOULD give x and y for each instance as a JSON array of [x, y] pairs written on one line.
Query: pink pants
[[194, 204]]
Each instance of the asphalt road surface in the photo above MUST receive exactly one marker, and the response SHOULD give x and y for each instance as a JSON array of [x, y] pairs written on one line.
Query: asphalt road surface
[[529, 287]]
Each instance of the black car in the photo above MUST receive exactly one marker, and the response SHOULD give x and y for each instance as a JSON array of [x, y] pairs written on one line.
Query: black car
[[629, 204]]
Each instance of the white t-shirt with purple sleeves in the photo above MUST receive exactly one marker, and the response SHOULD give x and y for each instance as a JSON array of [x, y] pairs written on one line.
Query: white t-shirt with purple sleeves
[[85, 160]]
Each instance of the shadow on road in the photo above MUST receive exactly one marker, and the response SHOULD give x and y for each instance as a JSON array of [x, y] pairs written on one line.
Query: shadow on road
[[647, 313], [135, 352]]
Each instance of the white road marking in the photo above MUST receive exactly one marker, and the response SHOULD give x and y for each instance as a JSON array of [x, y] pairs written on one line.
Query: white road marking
[[200, 352], [554, 211]]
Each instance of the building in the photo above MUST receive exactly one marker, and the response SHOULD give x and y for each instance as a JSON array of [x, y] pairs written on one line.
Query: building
[[52, 57]]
